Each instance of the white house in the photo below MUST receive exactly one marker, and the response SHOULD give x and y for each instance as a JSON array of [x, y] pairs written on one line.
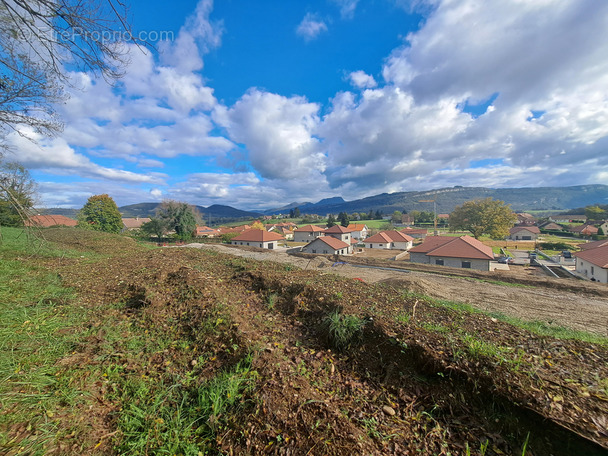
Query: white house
[[307, 233], [339, 232], [524, 233], [258, 238], [359, 231], [593, 263], [328, 245], [456, 252], [395, 240]]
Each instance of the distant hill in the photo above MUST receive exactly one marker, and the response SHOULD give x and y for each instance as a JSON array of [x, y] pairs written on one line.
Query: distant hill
[[213, 214], [520, 199], [71, 213]]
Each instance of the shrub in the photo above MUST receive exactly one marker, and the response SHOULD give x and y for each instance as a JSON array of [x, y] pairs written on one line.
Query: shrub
[[343, 330]]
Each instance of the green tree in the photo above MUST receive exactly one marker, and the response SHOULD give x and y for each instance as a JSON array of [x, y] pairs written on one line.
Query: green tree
[[343, 218], [490, 217], [17, 194], [100, 213], [227, 237], [155, 227], [595, 213], [179, 217], [378, 215], [296, 212], [396, 217], [600, 231], [331, 221]]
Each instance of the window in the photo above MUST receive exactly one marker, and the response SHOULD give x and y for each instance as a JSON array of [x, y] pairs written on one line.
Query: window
[[314, 251], [439, 262], [261, 245], [592, 270], [466, 264]]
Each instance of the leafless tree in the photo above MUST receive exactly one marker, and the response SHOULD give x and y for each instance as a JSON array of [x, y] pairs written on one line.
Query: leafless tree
[[39, 39]]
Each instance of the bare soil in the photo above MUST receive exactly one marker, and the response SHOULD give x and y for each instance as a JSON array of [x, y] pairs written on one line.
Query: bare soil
[[419, 378], [579, 310]]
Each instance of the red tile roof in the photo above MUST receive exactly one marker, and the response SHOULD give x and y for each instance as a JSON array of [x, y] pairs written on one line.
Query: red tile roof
[[130, 223], [334, 243], [310, 228], [201, 230], [455, 247], [531, 229], [389, 236], [431, 243], [44, 221], [258, 236], [235, 229], [593, 245], [338, 229], [357, 226], [597, 256], [585, 229]]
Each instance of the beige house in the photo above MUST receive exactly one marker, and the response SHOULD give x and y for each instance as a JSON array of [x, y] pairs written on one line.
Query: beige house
[[524, 233], [328, 245], [394, 240], [307, 233], [258, 238], [339, 232], [593, 263], [456, 252]]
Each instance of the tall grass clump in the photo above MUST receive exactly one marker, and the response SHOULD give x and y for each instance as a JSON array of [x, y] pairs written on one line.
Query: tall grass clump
[[343, 330]]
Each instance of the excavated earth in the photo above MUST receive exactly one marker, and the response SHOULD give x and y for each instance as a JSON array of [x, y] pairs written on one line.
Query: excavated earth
[[420, 378]]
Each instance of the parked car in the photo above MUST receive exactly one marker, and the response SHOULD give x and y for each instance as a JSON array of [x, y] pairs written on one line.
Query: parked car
[[567, 254], [506, 260], [533, 255]]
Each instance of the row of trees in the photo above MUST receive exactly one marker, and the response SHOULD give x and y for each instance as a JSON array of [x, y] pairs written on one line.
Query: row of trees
[[101, 213]]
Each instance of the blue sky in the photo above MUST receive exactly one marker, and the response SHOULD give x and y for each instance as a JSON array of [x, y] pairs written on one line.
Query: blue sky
[[258, 104]]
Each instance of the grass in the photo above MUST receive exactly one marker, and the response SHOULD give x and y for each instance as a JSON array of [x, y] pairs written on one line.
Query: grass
[[35, 309], [537, 327], [176, 416], [343, 330]]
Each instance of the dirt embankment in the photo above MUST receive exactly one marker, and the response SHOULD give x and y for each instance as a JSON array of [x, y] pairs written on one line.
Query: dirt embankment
[[568, 303]]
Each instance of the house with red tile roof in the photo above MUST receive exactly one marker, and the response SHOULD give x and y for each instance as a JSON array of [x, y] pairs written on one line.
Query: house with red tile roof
[[524, 233], [593, 244], [593, 263], [416, 233], [328, 245], [585, 230], [129, 224], [205, 232], [45, 221], [339, 232], [358, 230], [234, 229], [307, 233], [456, 252], [258, 238], [394, 240]]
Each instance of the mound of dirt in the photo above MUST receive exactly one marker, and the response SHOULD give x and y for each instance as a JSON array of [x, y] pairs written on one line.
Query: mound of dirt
[[416, 285]]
